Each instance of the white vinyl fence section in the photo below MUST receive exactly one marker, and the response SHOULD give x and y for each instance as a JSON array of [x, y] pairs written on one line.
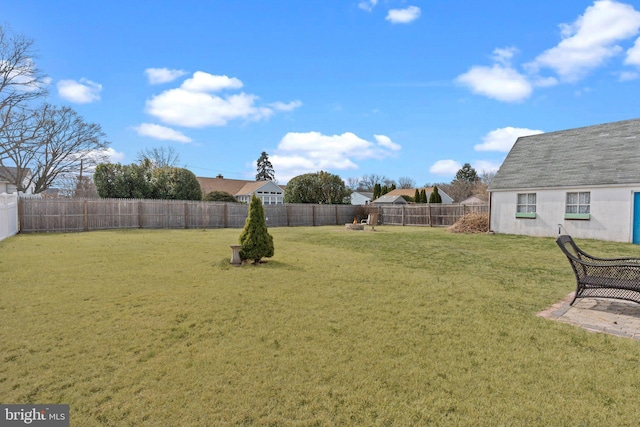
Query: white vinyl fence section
[[8, 215]]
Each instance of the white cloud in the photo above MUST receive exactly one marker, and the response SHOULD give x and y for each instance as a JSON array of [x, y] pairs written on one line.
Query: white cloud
[[289, 106], [403, 16], [498, 82], [205, 82], [385, 141], [482, 166], [113, 155], [161, 132], [163, 75], [590, 41], [367, 5], [305, 152], [192, 104], [109, 155], [626, 76], [445, 167], [504, 55], [83, 91], [633, 54], [502, 139]]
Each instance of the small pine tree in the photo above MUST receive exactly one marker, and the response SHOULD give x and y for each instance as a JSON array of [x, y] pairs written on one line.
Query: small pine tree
[[255, 239], [435, 196], [423, 196], [416, 196]]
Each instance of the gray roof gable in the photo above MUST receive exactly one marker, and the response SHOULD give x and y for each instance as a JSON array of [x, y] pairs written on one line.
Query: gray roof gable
[[607, 154]]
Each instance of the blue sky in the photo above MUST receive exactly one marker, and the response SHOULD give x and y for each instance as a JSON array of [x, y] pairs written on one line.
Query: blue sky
[[355, 87]]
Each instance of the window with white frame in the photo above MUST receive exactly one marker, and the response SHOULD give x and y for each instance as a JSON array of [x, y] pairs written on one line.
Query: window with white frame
[[578, 203], [526, 203]]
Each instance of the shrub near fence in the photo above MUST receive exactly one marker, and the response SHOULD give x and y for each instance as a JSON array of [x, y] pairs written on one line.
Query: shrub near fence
[[101, 214]]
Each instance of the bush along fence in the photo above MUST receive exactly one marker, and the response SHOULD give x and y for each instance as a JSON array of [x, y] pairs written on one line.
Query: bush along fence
[[8, 215], [43, 215]]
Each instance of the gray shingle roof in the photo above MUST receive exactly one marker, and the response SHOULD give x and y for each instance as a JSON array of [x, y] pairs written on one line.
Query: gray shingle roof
[[607, 154]]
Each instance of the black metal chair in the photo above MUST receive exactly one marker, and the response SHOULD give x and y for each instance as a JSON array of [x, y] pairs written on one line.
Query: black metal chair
[[596, 277]]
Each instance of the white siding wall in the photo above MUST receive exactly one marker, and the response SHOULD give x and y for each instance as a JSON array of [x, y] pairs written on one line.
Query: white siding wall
[[611, 214]]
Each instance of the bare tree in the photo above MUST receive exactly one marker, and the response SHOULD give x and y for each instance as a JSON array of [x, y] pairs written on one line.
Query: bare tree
[[367, 182], [20, 80], [160, 157], [353, 184], [486, 177], [406, 182], [49, 144]]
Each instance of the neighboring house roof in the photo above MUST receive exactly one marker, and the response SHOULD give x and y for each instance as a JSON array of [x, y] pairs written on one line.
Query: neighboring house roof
[[406, 192], [231, 186], [606, 154], [8, 173], [390, 199], [473, 200], [364, 194], [236, 187], [412, 192]]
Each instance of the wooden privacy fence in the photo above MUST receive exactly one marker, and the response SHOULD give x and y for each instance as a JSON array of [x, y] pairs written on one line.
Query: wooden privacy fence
[[36, 215], [435, 215], [8, 215]]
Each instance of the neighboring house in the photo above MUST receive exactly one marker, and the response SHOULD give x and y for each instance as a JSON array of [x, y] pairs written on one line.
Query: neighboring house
[[584, 182], [267, 191], [473, 200], [8, 175], [361, 198], [3, 186], [446, 200]]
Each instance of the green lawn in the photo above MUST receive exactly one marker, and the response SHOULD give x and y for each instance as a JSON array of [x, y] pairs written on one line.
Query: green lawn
[[402, 326]]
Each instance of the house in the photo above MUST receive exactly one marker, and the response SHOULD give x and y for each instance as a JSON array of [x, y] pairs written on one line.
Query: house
[[446, 199], [8, 176], [361, 198], [267, 191], [584, 182]]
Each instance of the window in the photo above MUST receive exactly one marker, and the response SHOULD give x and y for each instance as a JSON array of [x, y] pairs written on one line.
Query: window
[[578, 205], [526, 207]]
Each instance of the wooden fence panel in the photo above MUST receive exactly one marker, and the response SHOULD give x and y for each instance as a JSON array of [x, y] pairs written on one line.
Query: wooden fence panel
[[206, 214], [276, 215], [37, 214], [104, 214], [300, 215]]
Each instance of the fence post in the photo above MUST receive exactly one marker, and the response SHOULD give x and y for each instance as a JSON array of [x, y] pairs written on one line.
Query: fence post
[[430, 218], [225, 214], [337, 215], [286, 210], [186, 215], [85, 211], [20, 213], [139, 213], [402, 216]]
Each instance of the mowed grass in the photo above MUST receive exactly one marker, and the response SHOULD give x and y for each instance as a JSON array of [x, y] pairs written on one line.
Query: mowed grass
[[402, 326]]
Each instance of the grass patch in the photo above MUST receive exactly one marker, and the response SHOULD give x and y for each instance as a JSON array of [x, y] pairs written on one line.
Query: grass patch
[[400, 326]]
